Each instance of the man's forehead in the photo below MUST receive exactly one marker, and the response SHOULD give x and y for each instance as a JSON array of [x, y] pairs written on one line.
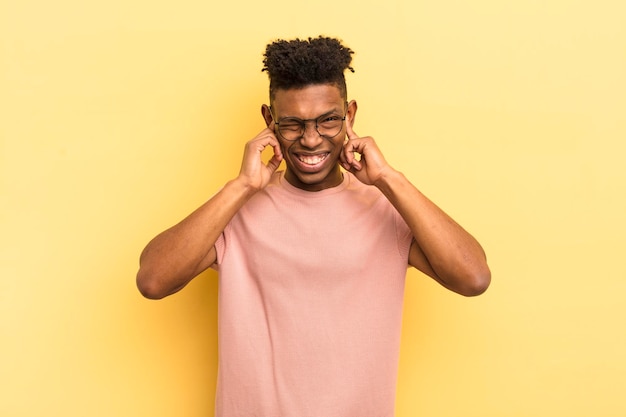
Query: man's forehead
[[308, 101]]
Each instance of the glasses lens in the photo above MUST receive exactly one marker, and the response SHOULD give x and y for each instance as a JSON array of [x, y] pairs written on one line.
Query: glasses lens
[[291, 129], [329, 126]]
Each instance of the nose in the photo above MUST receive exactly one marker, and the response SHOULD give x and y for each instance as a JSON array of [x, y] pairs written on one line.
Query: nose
[[311, 137]]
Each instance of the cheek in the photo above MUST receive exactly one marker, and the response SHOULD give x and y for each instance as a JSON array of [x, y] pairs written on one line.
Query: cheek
[[339, 143]]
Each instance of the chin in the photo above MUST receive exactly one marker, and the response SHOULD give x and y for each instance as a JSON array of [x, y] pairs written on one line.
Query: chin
[[314, 181]]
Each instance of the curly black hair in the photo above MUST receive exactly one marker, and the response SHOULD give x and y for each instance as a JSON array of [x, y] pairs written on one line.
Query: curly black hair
[[299, 63]]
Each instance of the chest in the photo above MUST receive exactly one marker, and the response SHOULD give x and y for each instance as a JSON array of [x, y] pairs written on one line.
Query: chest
[[328, 236]]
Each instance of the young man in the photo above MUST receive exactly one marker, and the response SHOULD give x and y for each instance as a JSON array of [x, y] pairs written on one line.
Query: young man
[[312, 260]]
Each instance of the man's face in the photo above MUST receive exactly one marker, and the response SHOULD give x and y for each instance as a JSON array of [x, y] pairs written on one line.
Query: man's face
[[312, 160]]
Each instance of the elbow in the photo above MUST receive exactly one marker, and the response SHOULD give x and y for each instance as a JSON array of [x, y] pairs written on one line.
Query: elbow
[[148, 286], [477, 283]]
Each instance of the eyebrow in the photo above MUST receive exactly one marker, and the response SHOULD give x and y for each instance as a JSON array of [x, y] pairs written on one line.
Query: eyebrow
[[328, 113]]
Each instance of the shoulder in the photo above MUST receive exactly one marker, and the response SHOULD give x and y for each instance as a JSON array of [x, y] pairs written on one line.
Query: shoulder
[[357, 189]]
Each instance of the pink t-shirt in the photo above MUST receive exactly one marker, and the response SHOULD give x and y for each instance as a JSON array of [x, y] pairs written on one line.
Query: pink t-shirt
[[310, 301]]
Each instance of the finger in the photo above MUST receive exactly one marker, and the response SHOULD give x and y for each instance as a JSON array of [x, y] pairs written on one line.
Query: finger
[[343, 159], [355, 166], [355, 145], [349, 132], [274, 162], [347, 154], [273, 142], [351, 162], [278, 152], [263, 140]]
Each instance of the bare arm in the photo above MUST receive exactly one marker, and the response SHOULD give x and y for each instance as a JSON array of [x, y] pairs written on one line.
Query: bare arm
[[441, 248], [180, 253]]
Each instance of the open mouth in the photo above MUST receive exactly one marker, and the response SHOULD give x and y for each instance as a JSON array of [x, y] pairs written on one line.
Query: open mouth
[[312, 160]]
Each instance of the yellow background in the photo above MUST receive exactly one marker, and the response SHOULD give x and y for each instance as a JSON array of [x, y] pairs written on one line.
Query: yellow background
[[120, 117]]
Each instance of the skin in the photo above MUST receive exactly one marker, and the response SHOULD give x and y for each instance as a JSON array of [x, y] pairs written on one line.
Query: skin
[[441, 248], [310, 103]]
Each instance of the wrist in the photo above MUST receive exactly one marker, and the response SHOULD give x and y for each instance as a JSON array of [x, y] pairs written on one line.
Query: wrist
[[388, 178], [243, 186]]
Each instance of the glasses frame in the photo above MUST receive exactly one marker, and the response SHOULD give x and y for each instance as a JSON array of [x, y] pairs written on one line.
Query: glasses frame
[[303, 122]]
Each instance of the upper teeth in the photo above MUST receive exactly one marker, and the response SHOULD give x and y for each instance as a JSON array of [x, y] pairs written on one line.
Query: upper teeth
[[312, 159]]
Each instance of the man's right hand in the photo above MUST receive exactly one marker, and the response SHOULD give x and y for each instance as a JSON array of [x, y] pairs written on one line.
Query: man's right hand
[[177, 255], [254, 173]]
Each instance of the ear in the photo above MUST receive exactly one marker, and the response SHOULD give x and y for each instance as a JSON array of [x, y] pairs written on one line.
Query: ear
[[351, 112], [267, 114]]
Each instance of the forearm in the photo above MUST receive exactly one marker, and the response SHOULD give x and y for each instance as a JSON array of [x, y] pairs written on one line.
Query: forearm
[[180, 253], [450, 253]]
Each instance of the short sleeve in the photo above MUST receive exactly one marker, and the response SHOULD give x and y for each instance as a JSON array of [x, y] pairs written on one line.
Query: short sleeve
[[220, 249]]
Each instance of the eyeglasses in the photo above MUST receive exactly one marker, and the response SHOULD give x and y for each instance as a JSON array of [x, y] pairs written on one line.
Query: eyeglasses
[[327, 126]]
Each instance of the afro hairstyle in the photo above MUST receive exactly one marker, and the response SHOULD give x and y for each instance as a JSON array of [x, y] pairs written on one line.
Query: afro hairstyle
[[299, 63]]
